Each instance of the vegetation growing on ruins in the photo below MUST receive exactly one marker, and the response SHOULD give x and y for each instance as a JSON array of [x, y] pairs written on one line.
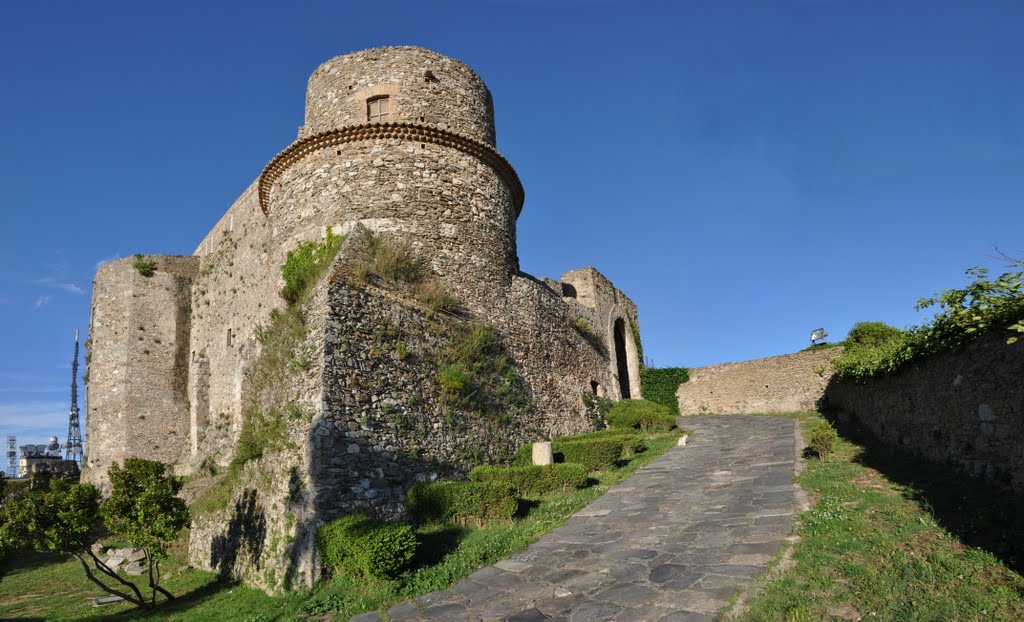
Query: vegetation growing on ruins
[[393, 264], [304, 266], [984, 306], [892, 537], [145, 267], [477, 373], [659, 385]]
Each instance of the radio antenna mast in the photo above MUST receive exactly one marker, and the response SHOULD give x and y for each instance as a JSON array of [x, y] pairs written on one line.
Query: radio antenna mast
[[74, 444]]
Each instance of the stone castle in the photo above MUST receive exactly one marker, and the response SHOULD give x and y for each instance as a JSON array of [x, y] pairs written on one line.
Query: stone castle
[[399, 142]]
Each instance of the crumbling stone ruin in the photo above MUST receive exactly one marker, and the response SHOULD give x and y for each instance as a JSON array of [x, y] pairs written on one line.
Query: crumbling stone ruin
[[290, 416]]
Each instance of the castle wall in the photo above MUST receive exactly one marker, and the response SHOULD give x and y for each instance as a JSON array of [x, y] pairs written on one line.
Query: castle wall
[[609, 305], [454, 98], [136, 401], [375, 421], [777, 384], [235, 290], [965, 408]]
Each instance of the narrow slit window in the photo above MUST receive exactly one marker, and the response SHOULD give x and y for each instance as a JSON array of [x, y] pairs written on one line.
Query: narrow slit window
[[378, 109], [229, 337]]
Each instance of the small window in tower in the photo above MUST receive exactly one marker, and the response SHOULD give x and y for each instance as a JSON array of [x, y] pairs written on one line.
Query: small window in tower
[[378, 109], [229, 337]]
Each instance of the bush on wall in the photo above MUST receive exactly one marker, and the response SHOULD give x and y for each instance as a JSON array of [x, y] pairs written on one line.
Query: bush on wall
[[983, 306]]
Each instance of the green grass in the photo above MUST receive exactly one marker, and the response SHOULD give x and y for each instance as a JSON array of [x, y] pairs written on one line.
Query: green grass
[[55, 588], [892, 538]]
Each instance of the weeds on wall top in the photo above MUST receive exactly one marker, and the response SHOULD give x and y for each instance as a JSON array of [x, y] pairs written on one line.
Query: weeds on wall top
[[145, 267], [986, 305]]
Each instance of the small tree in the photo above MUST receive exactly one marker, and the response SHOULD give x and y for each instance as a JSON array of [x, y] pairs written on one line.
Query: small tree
[[64, 519], [145, 508]]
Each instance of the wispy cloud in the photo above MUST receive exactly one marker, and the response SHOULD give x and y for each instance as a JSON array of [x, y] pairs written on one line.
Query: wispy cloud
[[41, 301], [50, 281]]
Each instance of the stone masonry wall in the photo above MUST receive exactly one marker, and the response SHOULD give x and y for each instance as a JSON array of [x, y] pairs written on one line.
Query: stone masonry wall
[[453, 97], [454, 208], [608, 304], [777, 384], [138, 354], [378, 421], [962, 408]]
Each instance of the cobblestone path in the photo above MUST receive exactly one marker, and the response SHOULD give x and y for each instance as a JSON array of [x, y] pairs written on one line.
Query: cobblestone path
[[671, 543]]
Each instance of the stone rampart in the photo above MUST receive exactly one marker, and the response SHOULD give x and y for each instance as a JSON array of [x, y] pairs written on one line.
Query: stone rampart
[[961, 408], [138, 363], [777, 384]]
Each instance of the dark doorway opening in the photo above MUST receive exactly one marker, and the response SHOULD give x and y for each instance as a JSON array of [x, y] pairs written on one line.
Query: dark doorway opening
[[620, 358]]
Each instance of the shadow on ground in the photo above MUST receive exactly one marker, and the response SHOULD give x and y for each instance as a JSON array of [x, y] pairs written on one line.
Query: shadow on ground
[[978, 514], [182, 603]]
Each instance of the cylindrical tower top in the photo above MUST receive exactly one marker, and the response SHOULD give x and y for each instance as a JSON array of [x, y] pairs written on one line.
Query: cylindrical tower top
[[399, 84]]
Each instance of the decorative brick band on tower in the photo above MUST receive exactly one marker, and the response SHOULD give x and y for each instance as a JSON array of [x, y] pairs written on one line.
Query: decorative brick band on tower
[[413, 132]]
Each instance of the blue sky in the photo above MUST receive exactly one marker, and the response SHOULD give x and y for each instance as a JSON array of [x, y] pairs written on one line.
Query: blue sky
[[745, 171]]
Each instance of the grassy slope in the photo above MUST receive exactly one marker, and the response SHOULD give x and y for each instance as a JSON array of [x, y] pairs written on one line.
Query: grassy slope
[[54, 588], [890, 538]]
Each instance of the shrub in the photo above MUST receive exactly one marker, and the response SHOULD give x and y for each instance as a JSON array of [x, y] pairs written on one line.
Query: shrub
[[306, 264], [145, 267], [641, 414], [594, 454], [360, 545], [533, 480], [462, 502], [823, 439], [659, 385]]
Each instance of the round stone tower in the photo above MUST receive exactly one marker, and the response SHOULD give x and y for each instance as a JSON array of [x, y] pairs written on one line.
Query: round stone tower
[[401, 139]]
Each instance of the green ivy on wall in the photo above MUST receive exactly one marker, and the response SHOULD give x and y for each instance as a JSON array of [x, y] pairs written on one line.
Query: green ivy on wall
[[659, 385]]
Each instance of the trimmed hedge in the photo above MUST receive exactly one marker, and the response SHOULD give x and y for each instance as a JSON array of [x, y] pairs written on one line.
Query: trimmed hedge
[[628, 442], [642, 414], [462, 502], [595, 454], [533, 480], [659, 385], [364, 546]]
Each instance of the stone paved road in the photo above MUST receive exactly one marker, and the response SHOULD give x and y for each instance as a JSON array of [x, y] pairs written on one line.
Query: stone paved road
[[672, 543]]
